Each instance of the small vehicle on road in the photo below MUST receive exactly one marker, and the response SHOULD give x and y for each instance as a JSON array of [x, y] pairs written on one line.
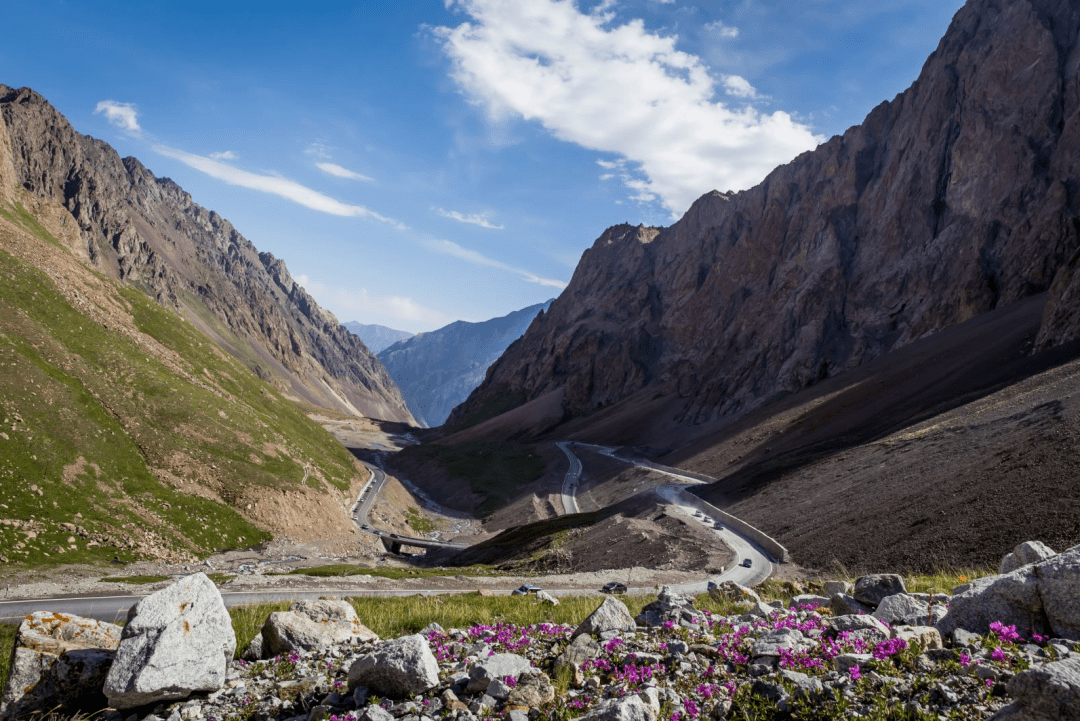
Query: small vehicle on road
[[525, 589], [719, 526], [613, 588], [745, 563]]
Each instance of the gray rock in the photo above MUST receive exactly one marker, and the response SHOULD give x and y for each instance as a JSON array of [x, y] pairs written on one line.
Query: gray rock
[[1047, 692], [770, 643], [668, 606], [834, 587], [1013, 599], [533, 689], [627, 708], [926, 636], [871, 589], [59, 662], [960, 637], [432, 628], [809, 599], [254, 651], [902, 609], [177, 641], [402, 667], [611, 615], [845, 661], [842, 604], [547, 598], [313, 624], [732, 592], [1059, 587], [376, 713], [760, 610], [498, 666], [498, 689], [862, 625], [1025, 553]]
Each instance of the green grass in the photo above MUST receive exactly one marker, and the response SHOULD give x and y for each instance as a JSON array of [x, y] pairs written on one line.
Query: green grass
[[7, 643], [20, 216], [418, 522], [344, 569], [494, 471], [139, 580]]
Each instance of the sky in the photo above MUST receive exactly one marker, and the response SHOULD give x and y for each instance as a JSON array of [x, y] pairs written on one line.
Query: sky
[[423, 161]]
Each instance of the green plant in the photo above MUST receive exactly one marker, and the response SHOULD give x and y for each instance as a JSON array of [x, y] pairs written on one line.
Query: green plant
[[138, 580]]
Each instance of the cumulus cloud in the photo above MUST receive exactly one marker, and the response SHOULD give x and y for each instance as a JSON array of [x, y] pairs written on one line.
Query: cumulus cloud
[[363, 304], [618, 89], [283, 187], [450, 248], [225, 155], [719, 29], [339, 172], [122, 115], [480, 219], [739, 87]]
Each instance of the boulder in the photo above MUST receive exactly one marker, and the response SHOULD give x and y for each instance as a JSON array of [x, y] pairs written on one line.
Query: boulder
[[546, 597], [580, 650], [627, 708], [771, 642], [834, 587], [611, 615], [309, 625], [926, 636], [402, 667], [871, 589], [1047, 692], [1059, 587], [842, 604], [1012, 598], [59, 662], [533, 689], [903, 609], [863, 626], [731, 592], [809, 599], [1025, 553], [668, 606], [499, 666], [177, 641]]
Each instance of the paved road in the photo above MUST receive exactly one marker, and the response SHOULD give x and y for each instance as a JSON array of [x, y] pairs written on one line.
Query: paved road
[[364, 502], [761, 566], [571, 480]]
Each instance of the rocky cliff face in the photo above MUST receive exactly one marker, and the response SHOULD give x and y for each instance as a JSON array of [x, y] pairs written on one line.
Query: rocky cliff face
[[436, 371], [147, 232], [957, 197]]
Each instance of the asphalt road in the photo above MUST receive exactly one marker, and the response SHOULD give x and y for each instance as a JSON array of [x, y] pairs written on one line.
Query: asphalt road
[[364, 502], [571, 480]]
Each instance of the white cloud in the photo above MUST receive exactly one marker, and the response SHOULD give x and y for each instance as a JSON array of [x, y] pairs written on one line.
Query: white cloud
[[367, 306], [318, 150], [480, 219], [739, 87], [225, 155], [283, 187], [719, 29], [618, 89], [339, 172], [471, 256], [122, 115]]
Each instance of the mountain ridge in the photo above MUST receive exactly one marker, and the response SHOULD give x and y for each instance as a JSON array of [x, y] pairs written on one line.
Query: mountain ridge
[[376, 337]]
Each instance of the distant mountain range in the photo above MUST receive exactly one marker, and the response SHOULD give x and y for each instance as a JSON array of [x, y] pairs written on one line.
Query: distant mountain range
[[436, 371], [376, 337]]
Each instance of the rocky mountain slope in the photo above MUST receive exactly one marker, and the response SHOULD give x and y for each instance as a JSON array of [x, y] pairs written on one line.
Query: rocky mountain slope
[[376, 337], [956, 198], [436, 371], [146, 232]]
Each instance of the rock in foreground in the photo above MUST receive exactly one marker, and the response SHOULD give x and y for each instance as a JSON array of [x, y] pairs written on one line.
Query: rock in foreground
[[402, 667], [312, 624]]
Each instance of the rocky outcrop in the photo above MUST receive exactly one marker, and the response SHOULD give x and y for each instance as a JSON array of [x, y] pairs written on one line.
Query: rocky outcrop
[[436, 371], [177, 641], [1025, 553], [147, 232], [58, 662], [955, 198]]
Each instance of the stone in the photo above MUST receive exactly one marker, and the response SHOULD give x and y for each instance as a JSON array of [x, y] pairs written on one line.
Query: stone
[[845, 661], [1025, 553], [834, 587], [627, 708], [863, 625], [177, 641], [313, 624], [809, 599], [498, 666], [611, 615], [498, 689], [926, 636], [376, 713], [1059, 588], [1012, 598], [842, 604], [902, 608], [729, 591], [431, 628], [870, 590], [960, 637], [254, 651], [1047, 692], [59, 661], [547, 598], [402, 667], [533, 689], [668, 606], [771, 642]]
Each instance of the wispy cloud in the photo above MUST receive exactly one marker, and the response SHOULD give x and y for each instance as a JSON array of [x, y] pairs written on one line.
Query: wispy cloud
[[122, 115], [471, 256], [480, 219], [224, 155], [283, 187], [548, 61], [719, 29], [339, 172], [366, 306]]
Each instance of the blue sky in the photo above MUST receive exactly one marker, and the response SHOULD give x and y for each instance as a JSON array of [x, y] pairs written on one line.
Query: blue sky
[[420, 162]]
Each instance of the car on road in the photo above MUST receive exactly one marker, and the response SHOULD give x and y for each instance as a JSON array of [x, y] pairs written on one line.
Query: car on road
[[613, 588], [525, 589], [745, 563], [719, 526]]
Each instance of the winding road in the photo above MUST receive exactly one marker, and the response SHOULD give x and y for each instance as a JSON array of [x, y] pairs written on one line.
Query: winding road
[[367, 498]]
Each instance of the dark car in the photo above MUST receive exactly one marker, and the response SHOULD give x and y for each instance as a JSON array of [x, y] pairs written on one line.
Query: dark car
[[525, 589], [613, 587], [745, 563]]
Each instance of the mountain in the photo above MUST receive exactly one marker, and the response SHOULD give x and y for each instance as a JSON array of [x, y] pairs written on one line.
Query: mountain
[[147, 233], [437, 370], [376, 337], [958, 197]]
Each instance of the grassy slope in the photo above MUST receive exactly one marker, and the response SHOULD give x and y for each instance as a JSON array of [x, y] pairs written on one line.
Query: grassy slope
[[91, 418]]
